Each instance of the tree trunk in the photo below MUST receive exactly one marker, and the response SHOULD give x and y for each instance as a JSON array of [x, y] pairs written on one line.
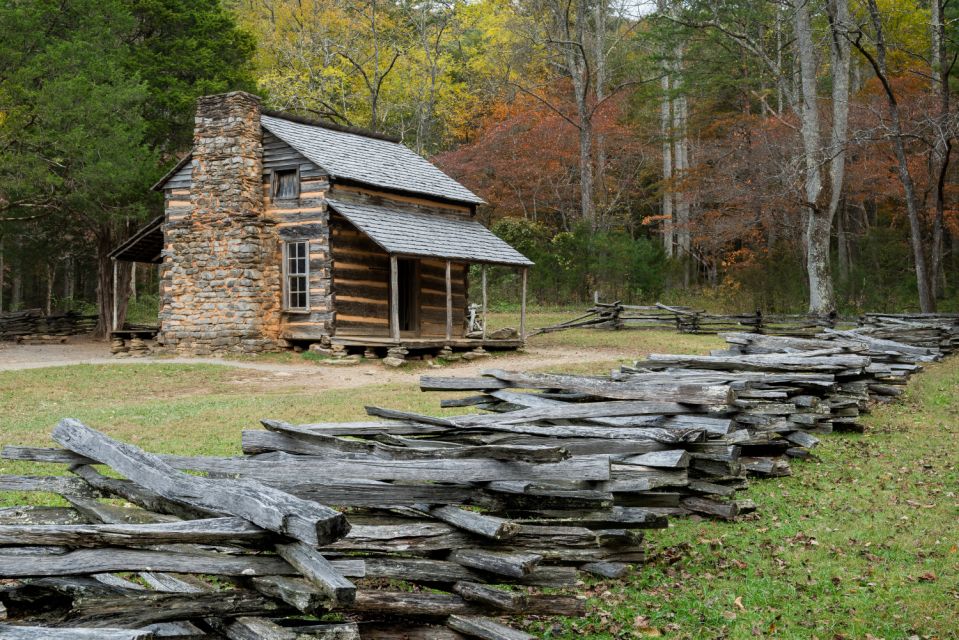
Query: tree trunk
[[587, 205], [818, 224], [51, 276], [69, 278], [578, 66], [2, 272], [681, 166], [133, 281], [599, 92], [665, 130], [842, 245], [942, 149], [927, 302], [16, 281], [666, 123]]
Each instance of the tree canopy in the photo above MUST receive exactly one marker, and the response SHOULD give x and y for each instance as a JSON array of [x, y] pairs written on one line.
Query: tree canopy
[[781, 154]]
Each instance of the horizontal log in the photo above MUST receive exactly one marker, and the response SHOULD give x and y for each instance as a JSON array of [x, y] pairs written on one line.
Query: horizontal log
[[265, 506], [479, 524], [485, 628], [141, 608], [62, 485], [282, 468], [17, 632], [212, 531], [111, 559], [579, 411], [491, 596], [630, 517], [619, 390], [514, 565], [323, 442], [443, 571], [39, 515], [775, 362]]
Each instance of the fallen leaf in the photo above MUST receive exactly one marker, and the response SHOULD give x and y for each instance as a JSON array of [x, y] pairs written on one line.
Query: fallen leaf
[[739, 603]]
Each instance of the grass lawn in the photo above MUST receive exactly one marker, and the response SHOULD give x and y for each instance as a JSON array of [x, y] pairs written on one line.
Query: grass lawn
[[862, 543]]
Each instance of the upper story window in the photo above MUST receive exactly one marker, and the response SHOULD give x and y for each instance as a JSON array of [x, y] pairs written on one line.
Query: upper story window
[[286, 184]]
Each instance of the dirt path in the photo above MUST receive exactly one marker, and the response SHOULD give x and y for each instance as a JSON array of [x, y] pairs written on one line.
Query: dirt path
[[14, 357]]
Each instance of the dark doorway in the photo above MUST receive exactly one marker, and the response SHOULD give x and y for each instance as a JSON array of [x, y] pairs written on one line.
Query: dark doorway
[[408, 294]]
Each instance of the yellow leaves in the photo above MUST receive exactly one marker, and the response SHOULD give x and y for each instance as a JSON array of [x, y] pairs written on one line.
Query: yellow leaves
[[905, 26]]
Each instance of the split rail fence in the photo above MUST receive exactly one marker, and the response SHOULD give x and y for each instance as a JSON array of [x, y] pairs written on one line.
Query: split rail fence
[[616, 316], [32, 324], [443, 527]]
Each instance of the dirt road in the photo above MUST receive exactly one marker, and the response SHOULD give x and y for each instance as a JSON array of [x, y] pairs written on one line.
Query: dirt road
[[15, 357]]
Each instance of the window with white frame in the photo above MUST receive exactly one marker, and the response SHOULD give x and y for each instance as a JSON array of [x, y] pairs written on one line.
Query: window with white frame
[[296, 267]]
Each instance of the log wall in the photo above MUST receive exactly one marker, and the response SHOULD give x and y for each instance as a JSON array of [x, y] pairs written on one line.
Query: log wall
[[361, 277], [361, 290], [349, 284], [303, 218]]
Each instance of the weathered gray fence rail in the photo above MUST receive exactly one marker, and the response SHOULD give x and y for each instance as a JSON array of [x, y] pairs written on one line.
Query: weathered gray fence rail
[[617, 316], [561, 475]]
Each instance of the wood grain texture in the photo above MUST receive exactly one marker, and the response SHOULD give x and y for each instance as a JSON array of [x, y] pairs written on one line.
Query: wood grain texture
[[265, 506]]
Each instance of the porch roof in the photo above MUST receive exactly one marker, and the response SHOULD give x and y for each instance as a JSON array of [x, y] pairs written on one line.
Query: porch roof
[[143, 246], [409, 233]]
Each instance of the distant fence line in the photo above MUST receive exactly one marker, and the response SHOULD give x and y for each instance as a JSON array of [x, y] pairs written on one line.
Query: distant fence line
[[32, 322], [617, 316]]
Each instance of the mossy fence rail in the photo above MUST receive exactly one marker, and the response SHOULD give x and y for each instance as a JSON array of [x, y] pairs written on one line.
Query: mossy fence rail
[[415, 526]]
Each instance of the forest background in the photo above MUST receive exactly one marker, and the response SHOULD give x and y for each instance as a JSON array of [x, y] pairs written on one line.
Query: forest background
[[788, 156]]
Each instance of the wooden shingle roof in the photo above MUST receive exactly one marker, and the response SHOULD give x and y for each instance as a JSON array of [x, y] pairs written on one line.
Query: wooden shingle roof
[[410, 233], [368, 160]]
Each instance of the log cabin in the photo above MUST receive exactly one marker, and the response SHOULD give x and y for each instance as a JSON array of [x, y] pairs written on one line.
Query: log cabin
[[280, 231]]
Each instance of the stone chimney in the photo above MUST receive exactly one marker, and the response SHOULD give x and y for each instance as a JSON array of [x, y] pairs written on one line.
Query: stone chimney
[[221, 278]]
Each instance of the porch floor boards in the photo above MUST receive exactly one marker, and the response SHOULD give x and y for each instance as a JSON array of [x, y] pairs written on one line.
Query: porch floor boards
[[425, 343]]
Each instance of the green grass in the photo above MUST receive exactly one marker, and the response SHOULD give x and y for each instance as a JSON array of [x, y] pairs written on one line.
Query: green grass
[[863, 542], [866, 541], [632, 342]]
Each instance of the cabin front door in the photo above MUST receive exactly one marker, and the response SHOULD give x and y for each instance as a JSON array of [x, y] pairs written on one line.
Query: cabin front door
[[409, 296]]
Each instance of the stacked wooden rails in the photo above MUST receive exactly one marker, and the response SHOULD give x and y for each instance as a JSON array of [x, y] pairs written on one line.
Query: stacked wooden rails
[[281, 558], [615, 315], [453, 521], [32, 322], [934, 331], [675, 444]]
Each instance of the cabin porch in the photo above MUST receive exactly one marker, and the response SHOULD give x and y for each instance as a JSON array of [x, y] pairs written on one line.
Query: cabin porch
[[400, 281], [144, 247]]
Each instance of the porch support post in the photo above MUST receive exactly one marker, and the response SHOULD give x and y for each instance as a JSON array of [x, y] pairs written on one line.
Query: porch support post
[[484, 301], [522, 309], [449, 300], [394, 299], [116, 301]]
